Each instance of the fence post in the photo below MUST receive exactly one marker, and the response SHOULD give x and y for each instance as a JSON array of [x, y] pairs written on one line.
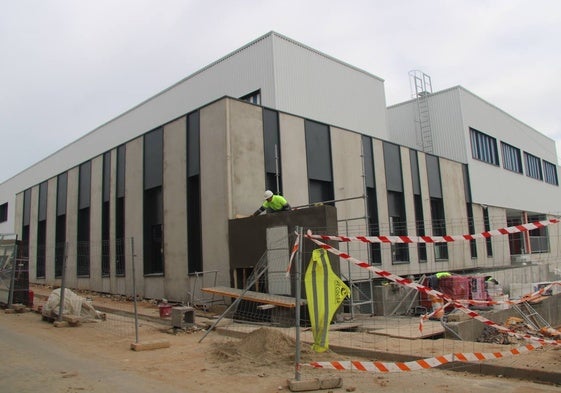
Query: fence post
[[298, 269], [63, 283], [134, 292]]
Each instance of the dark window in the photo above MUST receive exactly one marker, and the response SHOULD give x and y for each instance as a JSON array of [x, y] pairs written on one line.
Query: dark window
[[487, 224], [253, 97], [194, 223], [550, 173], [271, 148], [26, 223], [120, 212], [516, 241], [60, 231], [4, 212], [153, 202], [105, 221], [318, 158], [483, 147], [512, 160], [84, 196], [398, 226], [371, 199], [439, 228], [533, 166], [42, 231], [539, 239], [471, 229], [418, 202]]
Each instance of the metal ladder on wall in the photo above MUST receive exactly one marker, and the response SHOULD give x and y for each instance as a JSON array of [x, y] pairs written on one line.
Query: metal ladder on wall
[[531, 316], [421, 88]]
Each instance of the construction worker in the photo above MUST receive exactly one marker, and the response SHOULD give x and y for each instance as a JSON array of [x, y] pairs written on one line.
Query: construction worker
[[272, 204]]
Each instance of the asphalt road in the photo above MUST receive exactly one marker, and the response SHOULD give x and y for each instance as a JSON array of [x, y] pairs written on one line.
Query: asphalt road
[[32, 365]]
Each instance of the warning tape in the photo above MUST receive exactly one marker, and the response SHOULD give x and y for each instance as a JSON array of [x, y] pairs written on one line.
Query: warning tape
[[421, 364], [421, 288], [440, 239]]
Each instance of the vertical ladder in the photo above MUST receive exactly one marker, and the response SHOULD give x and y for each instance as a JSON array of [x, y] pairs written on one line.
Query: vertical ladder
[[531, 316], [421, 88]]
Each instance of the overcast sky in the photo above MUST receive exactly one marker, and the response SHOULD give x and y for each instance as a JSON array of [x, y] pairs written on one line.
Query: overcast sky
[[68, 66]]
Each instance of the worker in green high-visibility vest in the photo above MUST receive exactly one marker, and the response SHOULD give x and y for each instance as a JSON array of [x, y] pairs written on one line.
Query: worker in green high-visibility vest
[[440, 275], [272, 204]]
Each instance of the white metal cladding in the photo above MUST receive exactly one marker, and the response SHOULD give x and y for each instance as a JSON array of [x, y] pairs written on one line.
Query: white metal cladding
[[496, 186], [446, 125], [318, 87]]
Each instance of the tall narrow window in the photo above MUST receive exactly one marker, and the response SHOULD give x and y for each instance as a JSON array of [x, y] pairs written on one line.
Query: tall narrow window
[[483, 147], [60, 231], [26, 223], [371, 199], [318, 158], [487, 225], [4, 212], [539, 239], [105, 221], [418, 201], [153, 202], [84, 197], [42, 230], [194, 220], [437, 206], [550, 173], [533, 166], [396, 201], [271, 148], [469, 210], [120, 212], [512, 159]]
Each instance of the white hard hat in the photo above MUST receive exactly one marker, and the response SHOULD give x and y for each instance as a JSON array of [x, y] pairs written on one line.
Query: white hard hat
[[268, 194]]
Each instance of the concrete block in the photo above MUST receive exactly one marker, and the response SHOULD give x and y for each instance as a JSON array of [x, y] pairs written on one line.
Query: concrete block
[[330, 382], [149, 345], [182, 317], [304, 386]]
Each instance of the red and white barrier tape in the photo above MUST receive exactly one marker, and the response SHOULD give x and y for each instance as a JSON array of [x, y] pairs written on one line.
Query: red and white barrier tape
[[440, 239], [421, 288], [421, 364]]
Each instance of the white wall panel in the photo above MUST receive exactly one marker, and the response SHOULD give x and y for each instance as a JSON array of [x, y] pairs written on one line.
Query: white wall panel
[[318, 87]]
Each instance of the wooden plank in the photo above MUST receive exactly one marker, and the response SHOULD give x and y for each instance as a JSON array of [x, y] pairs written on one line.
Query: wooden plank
[[257, 297]]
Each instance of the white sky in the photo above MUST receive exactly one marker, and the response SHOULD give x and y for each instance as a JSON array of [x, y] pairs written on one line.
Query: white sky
[[68, 66]]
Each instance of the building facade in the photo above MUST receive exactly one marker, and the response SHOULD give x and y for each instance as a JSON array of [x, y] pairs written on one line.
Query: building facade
[[149, 195]]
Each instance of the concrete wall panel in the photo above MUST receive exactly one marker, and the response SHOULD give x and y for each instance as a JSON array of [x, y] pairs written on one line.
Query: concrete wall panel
[[96, 247], [134, 217], [247, 162], [293, 154], [72, 227], [215, 171], [51, 231], [175, 208]]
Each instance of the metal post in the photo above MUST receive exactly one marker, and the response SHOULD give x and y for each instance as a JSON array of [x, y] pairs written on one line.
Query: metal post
[[134, 292], [63, 282], [298, 270]]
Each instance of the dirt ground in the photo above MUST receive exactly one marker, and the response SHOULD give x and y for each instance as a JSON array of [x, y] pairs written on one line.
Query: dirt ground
[[262, 361]]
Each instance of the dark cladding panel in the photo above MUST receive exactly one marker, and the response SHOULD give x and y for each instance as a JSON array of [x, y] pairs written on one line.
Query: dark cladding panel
[[62, 186], [413, 158], [392, 160], [85, 185], [193, 144], [121, 166], [318, 151], [106, 176], [368, 154], [433, 174], [271, 139], [43, 187], [153, 159], [27, 206]]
